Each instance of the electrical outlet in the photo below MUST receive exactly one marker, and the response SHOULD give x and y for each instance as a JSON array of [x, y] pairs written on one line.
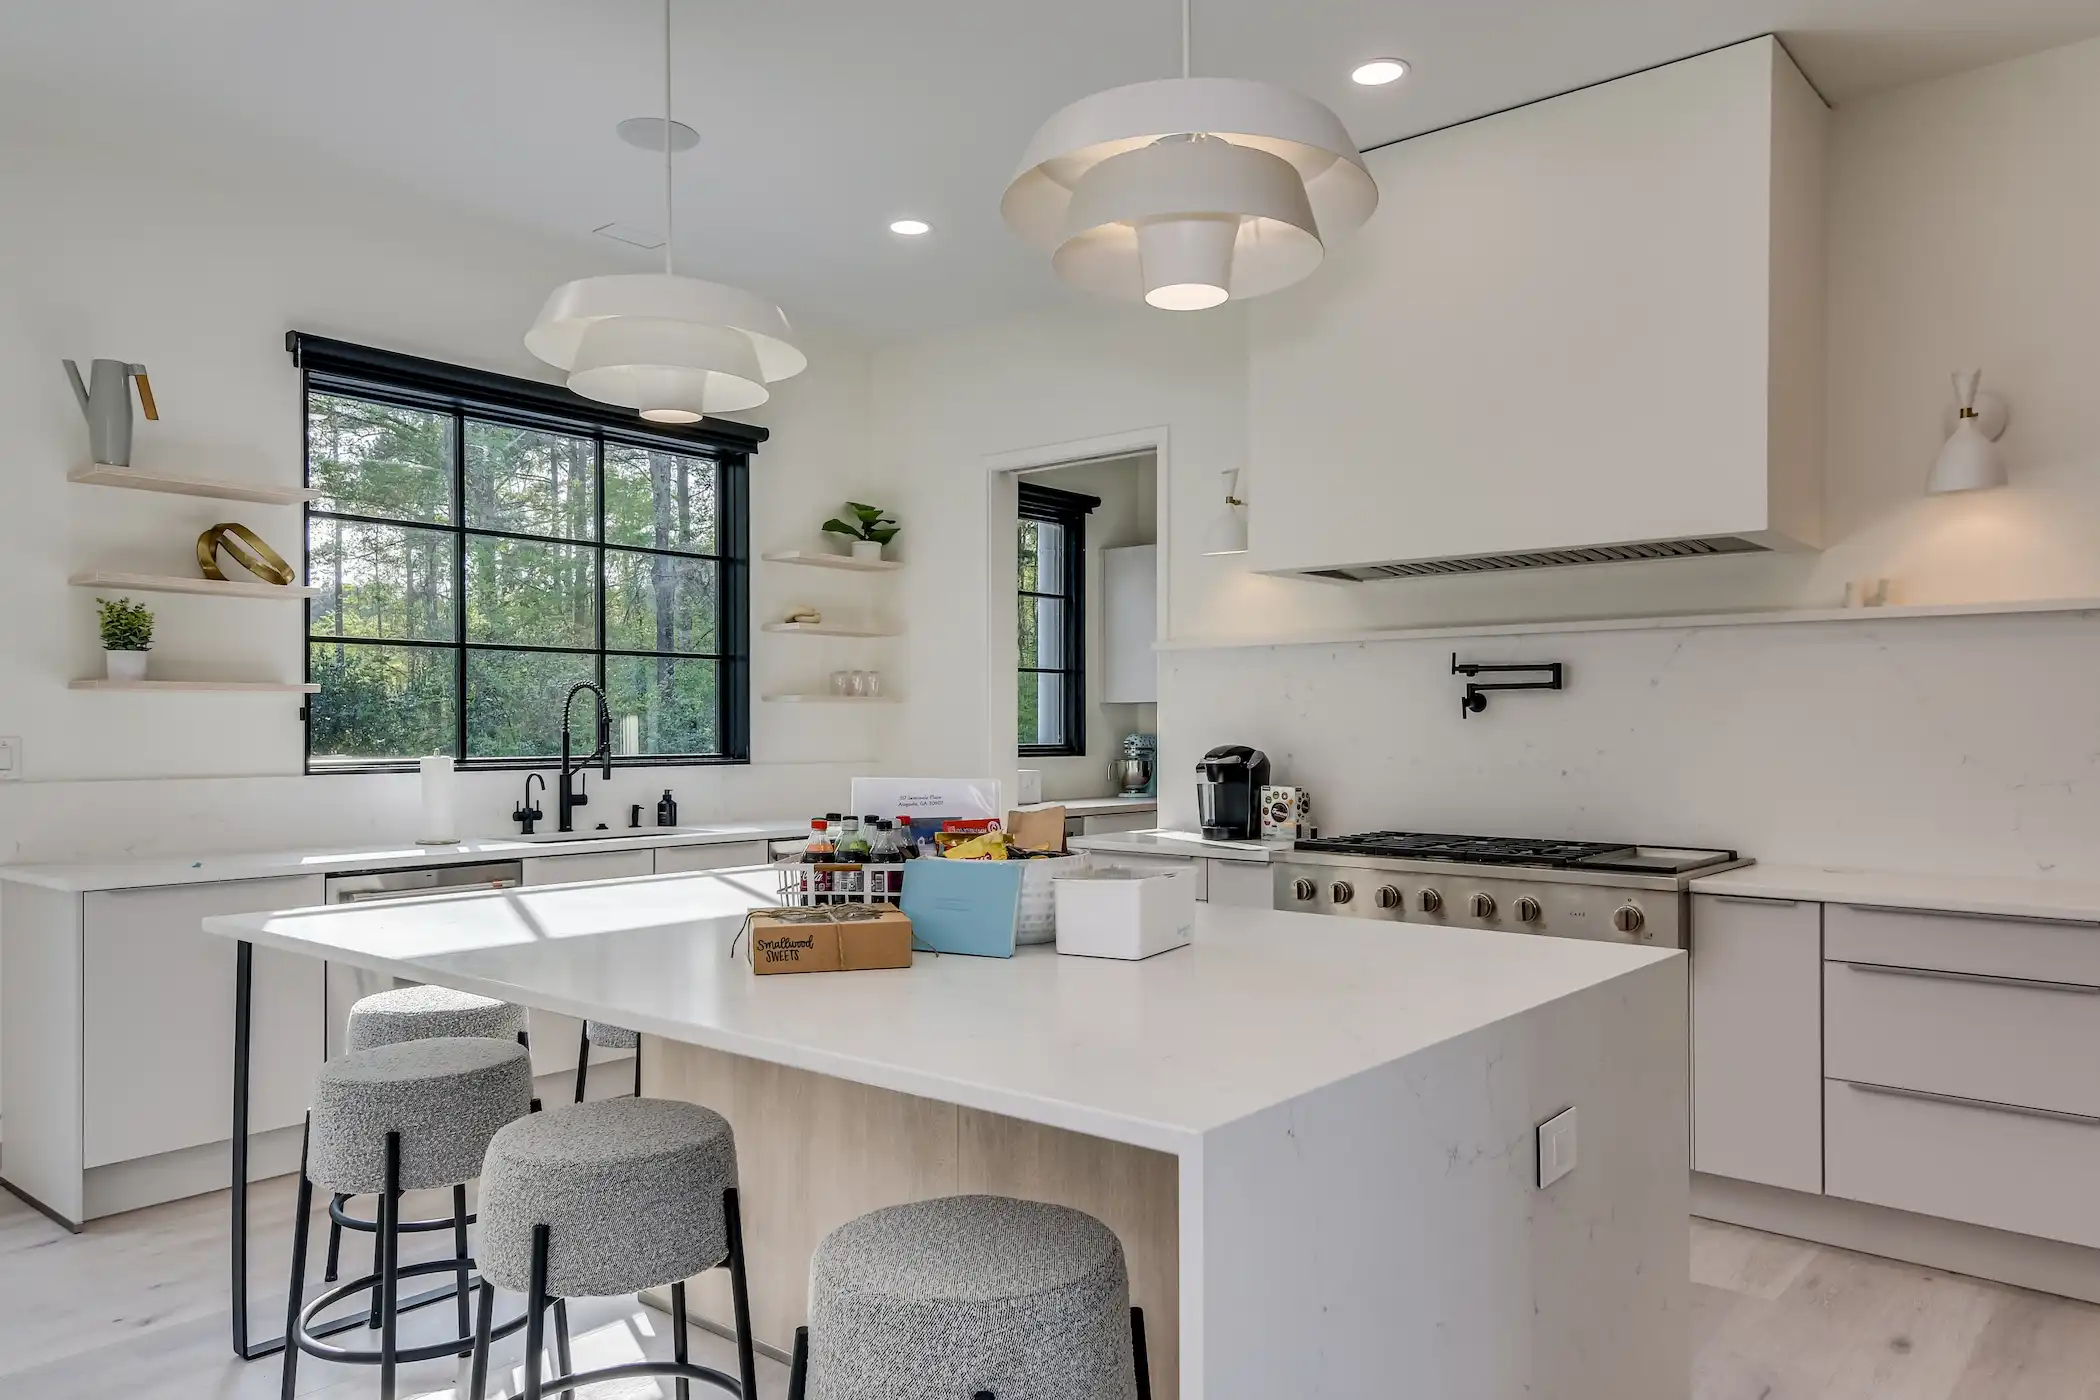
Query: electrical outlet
[[1556, 1147], [10, 757]]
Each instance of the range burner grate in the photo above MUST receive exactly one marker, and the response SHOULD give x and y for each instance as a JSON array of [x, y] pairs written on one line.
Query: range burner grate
[[1482, 850]]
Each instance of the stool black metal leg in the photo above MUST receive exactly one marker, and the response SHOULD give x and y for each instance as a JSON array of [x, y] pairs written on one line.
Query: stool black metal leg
[[459, 1249], [637, 1066], [739, 1295], [484, 1325], [389, 1270], [303, 1209], [798, 1365], [1139, 1355], [335, 1239], [564, 1365], [680, 1343], [583, 1060], [535, 1315], [525, 1039]]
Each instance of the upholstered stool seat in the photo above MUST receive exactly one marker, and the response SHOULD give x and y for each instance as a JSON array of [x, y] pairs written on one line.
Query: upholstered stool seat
[[408, 1116], [969, 1296], [427, 1013], [611, 1197]]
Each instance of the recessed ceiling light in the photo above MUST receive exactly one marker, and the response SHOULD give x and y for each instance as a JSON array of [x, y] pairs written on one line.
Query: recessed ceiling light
[[647, 133], [1380, 71], [911, 228]]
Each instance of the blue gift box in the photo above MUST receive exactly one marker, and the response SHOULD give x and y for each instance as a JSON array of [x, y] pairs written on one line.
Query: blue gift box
[[964, 906]]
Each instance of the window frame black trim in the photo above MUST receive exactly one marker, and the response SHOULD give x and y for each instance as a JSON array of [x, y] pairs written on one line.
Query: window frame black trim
[[1070, 510], [406, 381]]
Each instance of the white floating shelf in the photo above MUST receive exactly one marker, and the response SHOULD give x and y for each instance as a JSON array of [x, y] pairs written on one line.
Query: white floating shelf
[[1658, 622], [815, 560], [825, 698], [825, 629], [176, 583], [261, 687], [137, 479]]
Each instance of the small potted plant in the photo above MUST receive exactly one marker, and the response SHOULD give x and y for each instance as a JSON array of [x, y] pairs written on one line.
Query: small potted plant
[[869, 530], [127, 635]]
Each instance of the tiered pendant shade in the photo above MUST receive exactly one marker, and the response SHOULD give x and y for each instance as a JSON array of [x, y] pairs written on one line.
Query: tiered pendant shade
[[673, 348], [1188, 191]]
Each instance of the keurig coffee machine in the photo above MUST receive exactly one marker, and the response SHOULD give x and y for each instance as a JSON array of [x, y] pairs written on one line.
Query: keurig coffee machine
[[1228, 792]]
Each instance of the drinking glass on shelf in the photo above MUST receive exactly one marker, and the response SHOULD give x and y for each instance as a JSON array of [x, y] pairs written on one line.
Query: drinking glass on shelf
[[874, 685], [859, 684], [841, 682]]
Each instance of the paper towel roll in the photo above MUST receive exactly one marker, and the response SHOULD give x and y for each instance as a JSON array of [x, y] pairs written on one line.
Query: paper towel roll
[[440, 818]]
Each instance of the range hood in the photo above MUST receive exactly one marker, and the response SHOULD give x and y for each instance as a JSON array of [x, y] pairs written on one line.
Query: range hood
[[1586, 331]]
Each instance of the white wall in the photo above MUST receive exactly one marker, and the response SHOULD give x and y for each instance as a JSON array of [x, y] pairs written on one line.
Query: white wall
[[1126, 516], [1962, 218], [198, 271]]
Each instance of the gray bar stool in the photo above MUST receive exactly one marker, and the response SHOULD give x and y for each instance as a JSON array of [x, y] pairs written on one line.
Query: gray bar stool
[[417, 1013], [970, 1296], [605, 1198], [607, 1036], [406, 1117]]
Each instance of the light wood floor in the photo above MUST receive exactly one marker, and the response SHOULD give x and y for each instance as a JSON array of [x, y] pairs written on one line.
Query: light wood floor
[[134, 1309]]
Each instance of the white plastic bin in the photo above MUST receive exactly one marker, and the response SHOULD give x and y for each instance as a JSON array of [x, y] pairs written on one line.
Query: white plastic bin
[[1116, 912]]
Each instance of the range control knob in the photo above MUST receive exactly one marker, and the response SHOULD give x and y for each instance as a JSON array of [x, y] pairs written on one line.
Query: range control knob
[[1389, 897], [1303, 890], [1430, 901], [1482, 905], [1628, 918], [1528, 910], [1340, 892]]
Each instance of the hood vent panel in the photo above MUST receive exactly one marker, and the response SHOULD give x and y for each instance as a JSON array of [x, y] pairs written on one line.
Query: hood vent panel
[[1543, 559]]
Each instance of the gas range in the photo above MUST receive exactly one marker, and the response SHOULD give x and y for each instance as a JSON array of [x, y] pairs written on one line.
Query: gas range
[[1566, 889]]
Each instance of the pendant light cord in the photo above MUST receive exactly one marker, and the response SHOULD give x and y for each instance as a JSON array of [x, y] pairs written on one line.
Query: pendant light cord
[[670, 225], [1184, 38]]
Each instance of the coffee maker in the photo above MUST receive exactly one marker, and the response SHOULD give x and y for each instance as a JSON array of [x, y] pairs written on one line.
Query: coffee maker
[[1228, 792]]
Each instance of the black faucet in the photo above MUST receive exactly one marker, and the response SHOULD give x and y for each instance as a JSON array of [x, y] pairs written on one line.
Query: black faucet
[[526, 813], [566, 800]]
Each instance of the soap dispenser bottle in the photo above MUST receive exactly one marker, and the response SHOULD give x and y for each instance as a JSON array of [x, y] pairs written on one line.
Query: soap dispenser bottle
[[667, 809]]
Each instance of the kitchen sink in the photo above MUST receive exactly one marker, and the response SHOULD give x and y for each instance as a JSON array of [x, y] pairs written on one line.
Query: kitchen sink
[[616, 833]]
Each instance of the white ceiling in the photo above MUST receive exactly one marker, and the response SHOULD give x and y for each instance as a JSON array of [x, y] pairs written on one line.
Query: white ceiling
[[822, 120]]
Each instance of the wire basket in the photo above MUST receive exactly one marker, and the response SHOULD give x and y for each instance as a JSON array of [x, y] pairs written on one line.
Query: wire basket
[[805, 886]]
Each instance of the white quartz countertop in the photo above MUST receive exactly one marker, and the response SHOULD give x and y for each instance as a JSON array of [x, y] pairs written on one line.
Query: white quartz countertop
[[80, 877], [2010, 896], [1261, 1008], [1097, 806], [1180, 843]]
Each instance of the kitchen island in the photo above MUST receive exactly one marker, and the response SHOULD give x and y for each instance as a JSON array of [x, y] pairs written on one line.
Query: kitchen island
[[1317, 1139]]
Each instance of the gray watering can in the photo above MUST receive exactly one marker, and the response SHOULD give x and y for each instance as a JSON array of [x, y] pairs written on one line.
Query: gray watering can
[[108, 407]]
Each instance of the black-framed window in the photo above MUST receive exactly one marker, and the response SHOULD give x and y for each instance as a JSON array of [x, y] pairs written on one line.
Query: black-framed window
[[481, 543], [1051, 593]]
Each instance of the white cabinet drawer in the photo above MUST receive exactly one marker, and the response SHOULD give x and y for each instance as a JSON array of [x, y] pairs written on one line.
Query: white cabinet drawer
[[1197, 870], [589, 865], [1757, 1064], [2035, 1044], [2011, 1169], [680, 860], [2043, 949]]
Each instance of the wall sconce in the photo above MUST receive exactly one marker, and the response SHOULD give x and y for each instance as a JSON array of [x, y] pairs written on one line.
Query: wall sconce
[[1969, 461], [1228, 531]]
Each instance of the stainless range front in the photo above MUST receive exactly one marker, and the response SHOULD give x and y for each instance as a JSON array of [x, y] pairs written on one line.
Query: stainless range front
[[1620, 894]]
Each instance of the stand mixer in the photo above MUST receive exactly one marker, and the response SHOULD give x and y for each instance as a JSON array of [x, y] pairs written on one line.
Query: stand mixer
[[1133, 771]]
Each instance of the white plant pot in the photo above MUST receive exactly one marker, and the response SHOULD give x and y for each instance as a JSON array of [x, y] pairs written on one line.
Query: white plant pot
[[126, 665], [867, 551]]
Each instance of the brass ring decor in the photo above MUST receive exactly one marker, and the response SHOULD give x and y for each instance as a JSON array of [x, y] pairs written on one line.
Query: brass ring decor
[[247, 549]]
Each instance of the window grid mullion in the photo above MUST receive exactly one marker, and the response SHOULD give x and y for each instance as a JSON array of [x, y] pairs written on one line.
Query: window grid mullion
[[459, 584]]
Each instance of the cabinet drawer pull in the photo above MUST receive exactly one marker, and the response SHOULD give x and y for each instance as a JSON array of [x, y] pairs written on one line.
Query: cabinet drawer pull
[[1967, 914], [1991, 1105], [1764, 900], [1985, 978]]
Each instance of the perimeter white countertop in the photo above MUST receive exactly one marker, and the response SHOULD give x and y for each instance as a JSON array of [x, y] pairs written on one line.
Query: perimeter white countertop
[[2010, 896], [80, 877], [1097, 806], [1159, 842], [1262, 1008]]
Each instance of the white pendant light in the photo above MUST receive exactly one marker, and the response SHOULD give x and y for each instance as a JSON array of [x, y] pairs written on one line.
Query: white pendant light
[[1227, 533], [1969, 461], [672, 348], [1186, 192]]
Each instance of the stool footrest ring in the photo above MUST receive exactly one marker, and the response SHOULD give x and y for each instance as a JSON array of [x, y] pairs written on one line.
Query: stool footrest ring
[[307, 1337], [687, 1370], [338, 1212]]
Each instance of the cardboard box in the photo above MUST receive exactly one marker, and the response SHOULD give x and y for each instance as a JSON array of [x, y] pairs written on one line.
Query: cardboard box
[[830, 938], [1286, 813], [1114, 912]]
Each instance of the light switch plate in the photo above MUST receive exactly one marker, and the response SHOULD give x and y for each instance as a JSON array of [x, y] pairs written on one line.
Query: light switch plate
[[1556, 1147], [10, 757]]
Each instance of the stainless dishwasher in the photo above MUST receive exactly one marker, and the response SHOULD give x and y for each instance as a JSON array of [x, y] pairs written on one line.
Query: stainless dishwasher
[[346, 984]]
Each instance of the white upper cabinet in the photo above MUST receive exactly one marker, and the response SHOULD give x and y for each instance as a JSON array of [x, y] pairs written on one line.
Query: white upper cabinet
[[1593, 321], [1129, 607]]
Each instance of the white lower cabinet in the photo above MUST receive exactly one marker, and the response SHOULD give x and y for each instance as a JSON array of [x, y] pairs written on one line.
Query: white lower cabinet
[[555, 1037], [1107, 823], [1244, 884], [157, 1019], [680, 860], [1757, 1022]]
